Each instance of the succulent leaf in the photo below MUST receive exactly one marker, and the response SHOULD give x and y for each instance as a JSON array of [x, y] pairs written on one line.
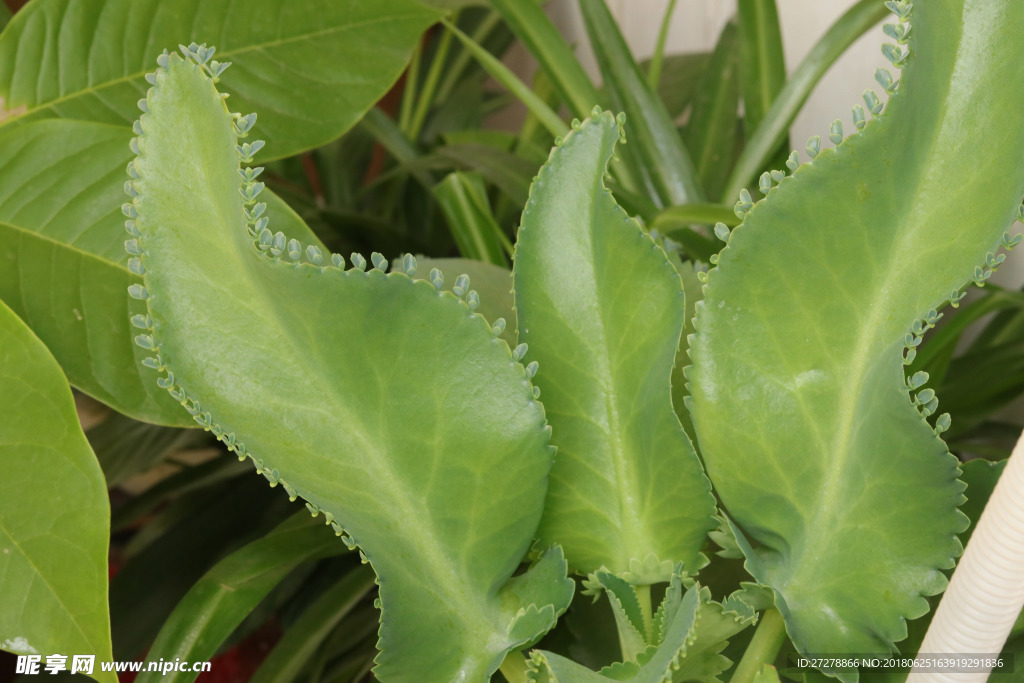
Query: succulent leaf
[[301, 361], [601, 307], [844, 492]]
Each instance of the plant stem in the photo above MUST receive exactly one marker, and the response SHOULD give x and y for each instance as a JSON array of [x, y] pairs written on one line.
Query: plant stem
[[513, 667], [464, 58], [763, 648], [654, 70], [426, 96], [643, 596]]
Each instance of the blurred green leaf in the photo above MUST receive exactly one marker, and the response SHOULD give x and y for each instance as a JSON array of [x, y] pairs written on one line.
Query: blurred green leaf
[[308, 632], [712, 131], [463, 198], [649, 127], [185, 540], [221, 599], [774, 128], [680, 78], [762, 64], [54, 514], [125, 447]]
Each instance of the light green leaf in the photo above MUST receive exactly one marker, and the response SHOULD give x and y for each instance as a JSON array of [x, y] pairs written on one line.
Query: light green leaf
[[65, 273], [227, 593], [816, 447], [302, 66], [601, 309], [295, 362], [54, 514], [767, 674]]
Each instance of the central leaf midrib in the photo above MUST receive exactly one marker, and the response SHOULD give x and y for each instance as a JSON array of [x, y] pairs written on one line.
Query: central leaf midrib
[[826, 507], [633, 529]]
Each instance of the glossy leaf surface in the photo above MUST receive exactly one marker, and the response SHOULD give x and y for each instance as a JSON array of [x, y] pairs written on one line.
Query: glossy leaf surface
[[601, 308], [54, 514], [818, 449], [85, 59], [295, 362]]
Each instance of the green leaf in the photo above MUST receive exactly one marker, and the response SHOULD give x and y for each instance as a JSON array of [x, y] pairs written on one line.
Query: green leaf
[[54, 514], [762, 64], [774, 127], [463, 198], [303, 67], [767, 674], [601, 309], [981, 477], [492, 283], [657, 143], [65, 274], [543, 40], [190, 534], [501, 73], [680, 78], [5, 16], [227, 593], [711, 132], [306, 634], [125, 447], [805, 422], [387, 405]]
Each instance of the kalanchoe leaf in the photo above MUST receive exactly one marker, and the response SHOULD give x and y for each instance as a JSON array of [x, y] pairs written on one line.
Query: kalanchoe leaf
[[799, 394], [606, 351], [295, 344]]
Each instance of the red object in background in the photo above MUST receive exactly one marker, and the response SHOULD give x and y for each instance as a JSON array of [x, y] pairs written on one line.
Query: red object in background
[[15, 5]]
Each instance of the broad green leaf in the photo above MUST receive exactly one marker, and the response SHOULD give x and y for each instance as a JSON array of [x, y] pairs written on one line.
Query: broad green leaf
[[54, 514], [774, 127], [309, 630], [302, 66], [463, 198], [219, 601], [65, 273], [816, 446], [601, 309], [385, 403], [762, 65], [712, 129], [654, 138]]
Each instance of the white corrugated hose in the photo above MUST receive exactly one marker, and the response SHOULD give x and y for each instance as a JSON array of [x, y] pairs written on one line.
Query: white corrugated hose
[[986, 594]]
